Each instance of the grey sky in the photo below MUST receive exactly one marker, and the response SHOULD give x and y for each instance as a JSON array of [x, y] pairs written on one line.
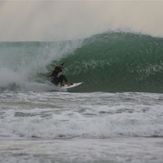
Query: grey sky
[[22, 20]]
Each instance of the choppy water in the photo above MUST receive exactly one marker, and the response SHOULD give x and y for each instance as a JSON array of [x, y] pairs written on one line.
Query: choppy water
[[81, 127]]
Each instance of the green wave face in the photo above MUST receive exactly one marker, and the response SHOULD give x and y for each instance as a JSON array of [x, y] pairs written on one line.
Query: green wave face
[[117, 62]]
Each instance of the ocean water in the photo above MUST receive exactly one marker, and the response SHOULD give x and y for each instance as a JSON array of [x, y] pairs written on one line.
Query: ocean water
[[115, 116]]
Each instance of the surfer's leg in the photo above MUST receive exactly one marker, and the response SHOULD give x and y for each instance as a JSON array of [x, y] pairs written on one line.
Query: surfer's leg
[[55, 81], [62, 79]]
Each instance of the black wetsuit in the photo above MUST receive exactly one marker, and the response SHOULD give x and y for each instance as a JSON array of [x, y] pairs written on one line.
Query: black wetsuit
[[57, 76]]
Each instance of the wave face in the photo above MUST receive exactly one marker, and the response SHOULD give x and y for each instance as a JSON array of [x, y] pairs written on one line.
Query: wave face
[[118, 62], [22, 63]]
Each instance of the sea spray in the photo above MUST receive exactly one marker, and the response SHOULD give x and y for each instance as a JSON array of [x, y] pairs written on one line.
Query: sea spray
[[22, 62]]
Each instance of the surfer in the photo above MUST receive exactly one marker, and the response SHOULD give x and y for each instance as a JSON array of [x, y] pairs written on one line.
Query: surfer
[[57, 76]]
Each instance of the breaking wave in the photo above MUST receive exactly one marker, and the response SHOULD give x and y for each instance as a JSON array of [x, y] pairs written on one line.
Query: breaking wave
[[105, 62]]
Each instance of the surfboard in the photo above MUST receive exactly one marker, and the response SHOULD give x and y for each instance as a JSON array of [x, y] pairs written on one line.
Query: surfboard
[[71, 86]]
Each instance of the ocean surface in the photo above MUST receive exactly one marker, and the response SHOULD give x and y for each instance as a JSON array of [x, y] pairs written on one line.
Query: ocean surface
[[115, 116]]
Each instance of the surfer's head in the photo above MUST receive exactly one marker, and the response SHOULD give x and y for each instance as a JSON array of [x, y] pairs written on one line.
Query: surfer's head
[[62, 64]]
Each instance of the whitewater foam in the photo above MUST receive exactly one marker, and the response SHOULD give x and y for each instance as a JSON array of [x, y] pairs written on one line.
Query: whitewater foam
[[69, 115], [81, 127]]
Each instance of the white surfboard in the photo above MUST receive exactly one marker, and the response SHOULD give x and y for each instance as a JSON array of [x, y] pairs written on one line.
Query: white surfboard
[[71, 86]]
